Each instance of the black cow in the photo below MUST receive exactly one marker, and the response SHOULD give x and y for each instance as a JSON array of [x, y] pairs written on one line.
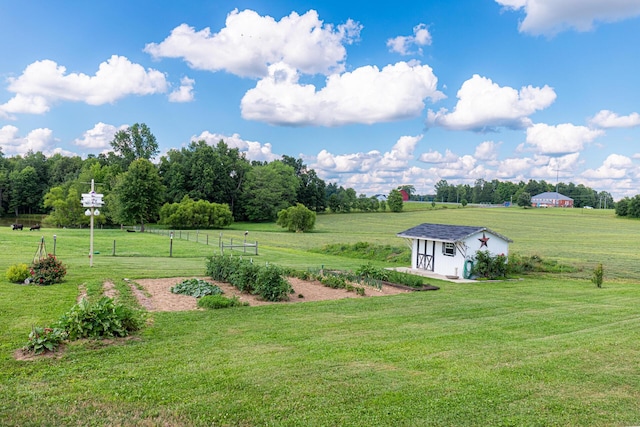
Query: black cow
[[17, 226], [35, 227]]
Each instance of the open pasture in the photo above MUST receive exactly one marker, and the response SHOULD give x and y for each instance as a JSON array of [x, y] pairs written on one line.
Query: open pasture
[[551, 350]]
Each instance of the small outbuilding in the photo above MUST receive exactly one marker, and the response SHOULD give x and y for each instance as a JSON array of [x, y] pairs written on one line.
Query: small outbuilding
[[551, 199], [449, 250]]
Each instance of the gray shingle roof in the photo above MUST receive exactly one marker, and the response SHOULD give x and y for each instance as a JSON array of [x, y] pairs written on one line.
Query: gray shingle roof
[[550, 195], [446, 232]]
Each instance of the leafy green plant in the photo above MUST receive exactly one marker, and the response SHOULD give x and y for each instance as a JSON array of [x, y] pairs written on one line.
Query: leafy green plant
[[17, 273], [297, 218], [196, 288], [245, 276], [334, 281], [45, 339], [102, 319], [271, 284], [220, 301], [221, 267], [598, 274], [47, 271], [488, 266]]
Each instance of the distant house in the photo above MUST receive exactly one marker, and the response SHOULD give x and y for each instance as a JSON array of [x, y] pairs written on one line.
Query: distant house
[[405, 195], [551, 199], [448, 250]]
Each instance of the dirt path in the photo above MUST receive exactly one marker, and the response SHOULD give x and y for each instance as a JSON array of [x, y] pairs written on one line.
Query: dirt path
[[304, 291]]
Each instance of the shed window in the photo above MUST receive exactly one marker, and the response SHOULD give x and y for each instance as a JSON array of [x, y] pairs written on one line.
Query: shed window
[[449, 249]]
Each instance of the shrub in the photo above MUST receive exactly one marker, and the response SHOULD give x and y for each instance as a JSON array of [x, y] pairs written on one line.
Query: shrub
[[271, 285], [102, 319], [47, 271], [196, 288], [18, 273], [219, 301], [334, 281], [45, 339], [221, 267], [245, 276], [489, 267], [297, 218], [598, 274]]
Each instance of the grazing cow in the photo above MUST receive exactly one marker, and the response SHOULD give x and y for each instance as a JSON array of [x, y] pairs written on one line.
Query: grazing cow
[[35, 227], [16, 226]]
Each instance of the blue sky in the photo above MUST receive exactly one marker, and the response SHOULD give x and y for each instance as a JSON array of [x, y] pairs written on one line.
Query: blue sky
[[371, 95]]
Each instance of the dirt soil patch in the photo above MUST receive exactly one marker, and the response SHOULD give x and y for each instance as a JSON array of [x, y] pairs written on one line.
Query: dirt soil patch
[[162, 299]]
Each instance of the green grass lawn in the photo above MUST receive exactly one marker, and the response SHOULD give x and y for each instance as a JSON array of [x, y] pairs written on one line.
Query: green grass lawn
[[545, 350]]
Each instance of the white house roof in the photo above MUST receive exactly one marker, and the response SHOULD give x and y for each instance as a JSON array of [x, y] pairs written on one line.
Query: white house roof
[[550, 195], [446, 233]]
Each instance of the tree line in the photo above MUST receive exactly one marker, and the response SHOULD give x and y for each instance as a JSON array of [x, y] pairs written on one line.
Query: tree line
[[500, 192], [197, 185]]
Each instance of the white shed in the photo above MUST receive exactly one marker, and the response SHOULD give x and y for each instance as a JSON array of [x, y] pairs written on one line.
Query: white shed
[[448, 249]]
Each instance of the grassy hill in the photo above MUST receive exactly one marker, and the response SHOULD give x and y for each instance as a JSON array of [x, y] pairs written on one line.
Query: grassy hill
[[545, 350]]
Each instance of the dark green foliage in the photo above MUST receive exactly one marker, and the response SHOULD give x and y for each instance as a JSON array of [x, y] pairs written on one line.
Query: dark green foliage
[[219, 301], [267, 282], [394, 201], [629, 207], [334, 281], [17, 273], [297, 218], [195, 214], [368, 251], [271, 285], [102, 319], [487, 266], [45, 339], [369, 271], [524, 199], [245, 276], [598, 274], [520, 264], [196, 288], [47, 271]]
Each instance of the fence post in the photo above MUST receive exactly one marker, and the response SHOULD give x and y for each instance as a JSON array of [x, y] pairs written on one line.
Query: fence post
[[114, 247], [256, 247]]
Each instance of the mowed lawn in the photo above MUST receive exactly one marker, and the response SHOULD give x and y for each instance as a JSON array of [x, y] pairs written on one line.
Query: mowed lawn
[[545, 350]]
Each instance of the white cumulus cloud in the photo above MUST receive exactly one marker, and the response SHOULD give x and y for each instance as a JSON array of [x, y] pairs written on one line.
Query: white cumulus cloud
[[615, 166], [37, 140], [45, 82], [253, 150], [437, 157], [98, 137], [184, 93], [484, 105], [608, 119], [249, 43], [404, 45], [549, 17], [560, 139], [366, 95], [487, 150]]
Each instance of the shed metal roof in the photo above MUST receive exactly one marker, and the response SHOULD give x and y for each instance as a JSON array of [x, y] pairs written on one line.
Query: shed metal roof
[[446, 232]]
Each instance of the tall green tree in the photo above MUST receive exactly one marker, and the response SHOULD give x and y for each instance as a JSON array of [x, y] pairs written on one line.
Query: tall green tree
[[138, 194], [267, 190], [135, 142], [25, 191], [394, 201]]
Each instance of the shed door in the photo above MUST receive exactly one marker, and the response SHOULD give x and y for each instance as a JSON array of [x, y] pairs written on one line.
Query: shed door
[[425, 259]]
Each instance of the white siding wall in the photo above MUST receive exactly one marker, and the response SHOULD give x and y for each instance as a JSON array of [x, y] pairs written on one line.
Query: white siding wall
[[446, 265]]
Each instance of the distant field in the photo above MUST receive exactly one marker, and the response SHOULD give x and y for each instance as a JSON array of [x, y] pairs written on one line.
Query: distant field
[[545, 350]]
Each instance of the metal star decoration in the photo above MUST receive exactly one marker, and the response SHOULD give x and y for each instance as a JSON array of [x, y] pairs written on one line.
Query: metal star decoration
[[484, 240]]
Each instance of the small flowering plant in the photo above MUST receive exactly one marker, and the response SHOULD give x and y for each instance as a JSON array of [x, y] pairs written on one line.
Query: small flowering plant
[[47, 271], [42, 340]]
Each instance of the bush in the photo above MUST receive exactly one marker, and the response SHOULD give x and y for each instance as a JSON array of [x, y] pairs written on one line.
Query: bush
[[271, 285], [18, 273], [297, 218], [490, 267], [219, 301], [102, 319], [45, 339], [47, 271], [245, 276], [196, 288], [598, 274], [220, 267]]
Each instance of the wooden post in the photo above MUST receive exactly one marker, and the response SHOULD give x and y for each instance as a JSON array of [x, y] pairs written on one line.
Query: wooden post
[[114, 247]]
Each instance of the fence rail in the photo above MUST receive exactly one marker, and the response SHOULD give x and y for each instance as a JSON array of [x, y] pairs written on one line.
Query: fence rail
[[200, 237]]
